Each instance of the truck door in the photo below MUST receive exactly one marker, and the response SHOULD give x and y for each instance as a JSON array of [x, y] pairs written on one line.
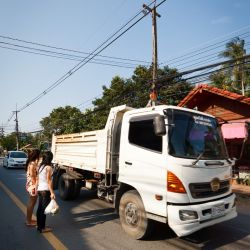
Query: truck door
[[142, 163]]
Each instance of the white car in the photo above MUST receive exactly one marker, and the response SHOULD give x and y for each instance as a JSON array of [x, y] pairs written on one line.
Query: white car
[[15, 159]]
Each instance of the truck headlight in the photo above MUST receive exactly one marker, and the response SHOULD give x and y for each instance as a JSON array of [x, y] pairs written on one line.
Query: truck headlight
[[188, 215]]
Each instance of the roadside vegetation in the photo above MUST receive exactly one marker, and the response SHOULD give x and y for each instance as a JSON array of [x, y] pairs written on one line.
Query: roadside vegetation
[[134, 92]]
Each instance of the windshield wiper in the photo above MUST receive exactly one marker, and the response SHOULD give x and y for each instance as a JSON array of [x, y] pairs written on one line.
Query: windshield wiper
[[198, 158]]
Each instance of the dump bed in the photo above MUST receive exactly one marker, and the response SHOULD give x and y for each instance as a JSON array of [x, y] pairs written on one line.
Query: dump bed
[[94, 151], [86, 150]]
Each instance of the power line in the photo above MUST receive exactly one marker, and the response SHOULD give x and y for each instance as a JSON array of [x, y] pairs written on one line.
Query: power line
[[118, 64], [98, 50], [88, 100], [204, 67], [77, 67], [64, 49], [199, 51], [114, 63], [93, 54], [207, 59], [54, 54], [200, 78], [229, 34], [99, 61], [206, 72]]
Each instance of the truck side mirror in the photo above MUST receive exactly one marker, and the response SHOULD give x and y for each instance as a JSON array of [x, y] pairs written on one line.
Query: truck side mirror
[[159, 125]]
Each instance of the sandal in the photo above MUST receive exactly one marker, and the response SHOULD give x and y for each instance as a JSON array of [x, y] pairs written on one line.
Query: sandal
[[46, 230], [31, 224]]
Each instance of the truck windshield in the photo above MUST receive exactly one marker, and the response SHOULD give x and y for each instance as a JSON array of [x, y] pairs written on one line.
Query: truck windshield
[[193, 135]]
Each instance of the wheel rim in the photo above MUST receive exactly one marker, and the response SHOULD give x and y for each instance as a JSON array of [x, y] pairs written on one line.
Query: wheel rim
[[131, 214]]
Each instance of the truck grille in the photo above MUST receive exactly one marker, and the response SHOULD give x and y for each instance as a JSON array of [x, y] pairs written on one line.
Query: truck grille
[[203, 190]]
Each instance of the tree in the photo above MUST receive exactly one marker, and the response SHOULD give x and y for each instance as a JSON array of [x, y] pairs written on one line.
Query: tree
[[62, 121], [235, 76], [134, 92], [8, 142], [222, 80], [172, 88]]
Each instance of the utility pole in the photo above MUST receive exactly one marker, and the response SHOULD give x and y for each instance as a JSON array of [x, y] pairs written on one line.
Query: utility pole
[[2, 132], [243, 76], [17, 131], [153, 94], [242, 84]]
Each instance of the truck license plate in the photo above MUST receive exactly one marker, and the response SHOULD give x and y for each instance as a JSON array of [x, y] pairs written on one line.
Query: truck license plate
[[218, 210]]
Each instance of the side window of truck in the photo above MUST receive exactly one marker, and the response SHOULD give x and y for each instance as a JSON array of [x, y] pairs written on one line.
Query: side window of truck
[[141, 133]]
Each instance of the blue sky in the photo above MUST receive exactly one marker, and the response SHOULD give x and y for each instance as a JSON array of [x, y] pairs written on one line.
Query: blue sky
[[184, 26]]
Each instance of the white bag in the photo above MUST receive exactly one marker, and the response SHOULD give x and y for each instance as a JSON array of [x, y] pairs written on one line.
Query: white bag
[[52, 208]]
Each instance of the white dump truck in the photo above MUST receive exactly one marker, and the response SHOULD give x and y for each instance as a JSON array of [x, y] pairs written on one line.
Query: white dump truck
[[161, 163]]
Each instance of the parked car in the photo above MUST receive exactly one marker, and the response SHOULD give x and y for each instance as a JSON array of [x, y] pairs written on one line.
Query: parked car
[[15, 159]]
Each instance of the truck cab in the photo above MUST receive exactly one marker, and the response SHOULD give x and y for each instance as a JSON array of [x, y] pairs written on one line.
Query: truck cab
[[182, 177]]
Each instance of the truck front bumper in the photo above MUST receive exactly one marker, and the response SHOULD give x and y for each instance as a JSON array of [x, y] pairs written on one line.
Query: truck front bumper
[[187, 219]]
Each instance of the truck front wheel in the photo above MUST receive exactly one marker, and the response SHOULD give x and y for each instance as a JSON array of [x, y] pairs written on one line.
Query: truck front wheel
[[133, 215], [65, 186]]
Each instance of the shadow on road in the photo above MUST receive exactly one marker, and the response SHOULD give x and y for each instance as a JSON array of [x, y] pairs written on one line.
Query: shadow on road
[[93, 212], [95, 215], [208, 238], [219, 235], [92, 218]]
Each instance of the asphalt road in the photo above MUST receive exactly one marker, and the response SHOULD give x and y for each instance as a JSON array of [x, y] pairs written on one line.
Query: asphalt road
[[90, 223]]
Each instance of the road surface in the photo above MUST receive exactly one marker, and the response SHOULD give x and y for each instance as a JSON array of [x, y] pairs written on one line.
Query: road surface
[[90, 223]]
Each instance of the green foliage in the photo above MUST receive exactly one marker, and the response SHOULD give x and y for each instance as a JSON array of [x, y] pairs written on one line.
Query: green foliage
[[172, 88], [246, 180], [234, 74], [8, 142], [62, 121], [239, 180], [133, 92]]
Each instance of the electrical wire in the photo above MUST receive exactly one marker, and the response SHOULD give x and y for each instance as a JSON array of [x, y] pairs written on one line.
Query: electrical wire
[[206, 71], [205, 49], [88, 58], [199, 79], [98, 50], [68, 56], [201, 59], [69, 50], [78, 66], [203, 68]]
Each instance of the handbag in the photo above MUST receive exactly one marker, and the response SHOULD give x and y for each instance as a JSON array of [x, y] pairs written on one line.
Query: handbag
[[52, 208], [31, 189]]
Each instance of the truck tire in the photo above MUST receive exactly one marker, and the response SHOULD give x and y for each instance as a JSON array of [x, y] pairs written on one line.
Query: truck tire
[[76, 189], [66, 186], [133, 216]]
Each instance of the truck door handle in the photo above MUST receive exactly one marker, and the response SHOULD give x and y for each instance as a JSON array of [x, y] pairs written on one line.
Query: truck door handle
[[128, 163]]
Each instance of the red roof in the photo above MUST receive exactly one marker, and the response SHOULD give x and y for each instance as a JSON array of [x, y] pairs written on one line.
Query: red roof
[[221, 103], [214, 90]]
